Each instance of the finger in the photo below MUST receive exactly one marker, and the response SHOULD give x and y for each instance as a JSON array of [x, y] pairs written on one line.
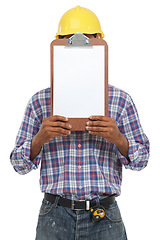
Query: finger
[[60, 124], [58, 135], [58, 118], [99, 123], [58, 130], [99, 118], [50, 121], [96, 133], [98, 129]]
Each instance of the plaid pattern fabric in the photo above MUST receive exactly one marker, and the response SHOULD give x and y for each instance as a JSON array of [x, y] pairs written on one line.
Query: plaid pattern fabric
[[81, 166]]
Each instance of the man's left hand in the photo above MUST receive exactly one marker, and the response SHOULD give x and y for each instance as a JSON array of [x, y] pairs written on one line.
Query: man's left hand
[[105, 127]]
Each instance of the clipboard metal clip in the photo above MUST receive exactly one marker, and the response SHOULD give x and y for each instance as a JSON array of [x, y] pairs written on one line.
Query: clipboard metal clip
[[79, 39]]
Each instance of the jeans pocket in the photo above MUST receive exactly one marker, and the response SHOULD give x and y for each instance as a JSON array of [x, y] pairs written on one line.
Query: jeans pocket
[[46, 207], [113, 213]]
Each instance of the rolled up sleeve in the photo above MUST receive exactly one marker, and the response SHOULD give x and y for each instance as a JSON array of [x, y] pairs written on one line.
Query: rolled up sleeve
[[139, 145], [20, 156]]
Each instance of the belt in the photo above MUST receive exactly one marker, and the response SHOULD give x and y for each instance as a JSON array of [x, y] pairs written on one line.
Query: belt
[[78, 205]]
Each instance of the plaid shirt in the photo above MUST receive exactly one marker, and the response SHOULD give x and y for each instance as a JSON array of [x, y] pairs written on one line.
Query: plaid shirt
[[81, 165]]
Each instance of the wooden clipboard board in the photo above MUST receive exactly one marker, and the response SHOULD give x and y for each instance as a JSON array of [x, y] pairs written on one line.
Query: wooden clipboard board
[[78, 123]]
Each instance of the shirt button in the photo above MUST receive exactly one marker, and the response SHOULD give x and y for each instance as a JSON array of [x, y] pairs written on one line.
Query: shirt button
[[79, 145], [80, 187], [79, 167]]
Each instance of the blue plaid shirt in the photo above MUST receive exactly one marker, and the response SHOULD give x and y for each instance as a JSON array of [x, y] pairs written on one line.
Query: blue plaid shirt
[[81, 165]]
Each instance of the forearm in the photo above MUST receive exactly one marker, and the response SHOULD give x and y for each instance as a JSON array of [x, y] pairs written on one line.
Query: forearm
[[123, 146], [36, 146]]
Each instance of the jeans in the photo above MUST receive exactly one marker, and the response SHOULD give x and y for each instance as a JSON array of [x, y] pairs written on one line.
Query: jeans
[[57, 222]]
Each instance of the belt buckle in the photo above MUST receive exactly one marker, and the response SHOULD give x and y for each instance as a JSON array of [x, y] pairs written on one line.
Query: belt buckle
[[87, 205], [73, 206]]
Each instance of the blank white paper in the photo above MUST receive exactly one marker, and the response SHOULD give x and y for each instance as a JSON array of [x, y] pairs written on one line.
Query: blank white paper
[[79, 81]]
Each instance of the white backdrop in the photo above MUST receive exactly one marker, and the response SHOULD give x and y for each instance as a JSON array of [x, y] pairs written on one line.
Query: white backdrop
[[132, 32]]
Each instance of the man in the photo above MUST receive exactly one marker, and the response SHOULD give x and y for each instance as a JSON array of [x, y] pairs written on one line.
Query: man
[[81, 172]]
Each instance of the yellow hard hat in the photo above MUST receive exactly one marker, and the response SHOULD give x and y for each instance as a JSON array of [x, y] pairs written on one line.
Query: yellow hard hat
[[79, 19]]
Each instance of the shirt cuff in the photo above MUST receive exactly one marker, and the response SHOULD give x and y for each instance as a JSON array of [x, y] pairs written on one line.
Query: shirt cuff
[[26, 149], [132, 154]]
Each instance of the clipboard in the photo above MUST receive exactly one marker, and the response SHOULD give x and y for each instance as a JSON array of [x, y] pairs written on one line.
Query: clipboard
[[79, 79]]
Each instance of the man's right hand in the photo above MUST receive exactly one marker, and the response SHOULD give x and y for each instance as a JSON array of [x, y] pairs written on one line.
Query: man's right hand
[[51, 127]]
